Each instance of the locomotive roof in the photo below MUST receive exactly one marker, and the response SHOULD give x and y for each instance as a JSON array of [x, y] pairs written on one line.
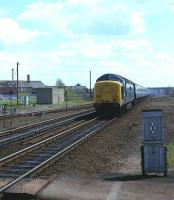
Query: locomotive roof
[[113, 77]]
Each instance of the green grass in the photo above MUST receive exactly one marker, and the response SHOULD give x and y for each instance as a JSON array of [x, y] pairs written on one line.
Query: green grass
[[31, 108], [170, 155], [14, 102], [8, 102], [76, 102], [63, 104]]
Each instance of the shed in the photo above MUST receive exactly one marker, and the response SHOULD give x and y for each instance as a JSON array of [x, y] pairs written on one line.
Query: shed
[[50, 95]]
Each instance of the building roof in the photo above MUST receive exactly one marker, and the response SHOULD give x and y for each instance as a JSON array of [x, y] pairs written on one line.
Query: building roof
[[32, 84]]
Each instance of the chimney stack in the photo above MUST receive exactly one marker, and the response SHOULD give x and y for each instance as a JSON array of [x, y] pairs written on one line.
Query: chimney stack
[[28, 78], [12, 74]]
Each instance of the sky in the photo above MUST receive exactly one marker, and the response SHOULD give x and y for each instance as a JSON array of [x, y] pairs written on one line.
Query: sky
[[67, 39]]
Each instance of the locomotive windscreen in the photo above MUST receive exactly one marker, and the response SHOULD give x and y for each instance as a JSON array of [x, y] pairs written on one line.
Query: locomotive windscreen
[[111, 77]]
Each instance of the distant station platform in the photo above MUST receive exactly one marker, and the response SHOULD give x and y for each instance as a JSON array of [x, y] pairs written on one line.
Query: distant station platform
[[110, 188]]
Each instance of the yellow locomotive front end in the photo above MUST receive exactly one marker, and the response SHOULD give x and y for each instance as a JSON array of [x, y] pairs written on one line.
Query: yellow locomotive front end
[[107, 96]]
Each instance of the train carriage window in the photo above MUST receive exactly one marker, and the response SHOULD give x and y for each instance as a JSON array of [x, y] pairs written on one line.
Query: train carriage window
[[125, 89]]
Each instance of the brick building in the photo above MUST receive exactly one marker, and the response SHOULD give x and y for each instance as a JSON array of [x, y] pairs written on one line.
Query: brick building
[[10, 87]]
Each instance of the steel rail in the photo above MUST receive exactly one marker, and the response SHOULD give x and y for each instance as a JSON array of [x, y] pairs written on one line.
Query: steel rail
[[40, 123], [44, 141], [7, 140], [53, 157]]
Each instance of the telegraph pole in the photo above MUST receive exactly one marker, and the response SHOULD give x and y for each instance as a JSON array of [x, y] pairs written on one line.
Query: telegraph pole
[[17, 84]]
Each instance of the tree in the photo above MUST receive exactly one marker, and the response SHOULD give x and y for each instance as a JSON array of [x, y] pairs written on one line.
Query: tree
[[59, 83], [78, 84]]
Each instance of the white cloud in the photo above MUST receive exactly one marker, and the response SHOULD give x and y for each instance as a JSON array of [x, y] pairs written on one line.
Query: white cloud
[[11, 33], [132, 44], [81, 17], [98, 35], [138, 22], [90, 48], [41, 11], [172, 8], [89, 2], [69, 60]]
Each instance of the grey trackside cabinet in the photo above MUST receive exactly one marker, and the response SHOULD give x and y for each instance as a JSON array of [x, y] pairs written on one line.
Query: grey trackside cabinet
[[153, 152]]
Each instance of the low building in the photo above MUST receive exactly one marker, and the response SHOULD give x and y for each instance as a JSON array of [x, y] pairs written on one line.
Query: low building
[[50, 95]]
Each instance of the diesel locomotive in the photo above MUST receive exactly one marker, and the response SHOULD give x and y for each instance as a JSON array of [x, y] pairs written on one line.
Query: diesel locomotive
[[114, 93]]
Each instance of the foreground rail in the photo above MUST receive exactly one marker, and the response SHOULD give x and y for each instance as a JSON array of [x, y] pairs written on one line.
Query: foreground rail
[[22, 133], [51, 153]]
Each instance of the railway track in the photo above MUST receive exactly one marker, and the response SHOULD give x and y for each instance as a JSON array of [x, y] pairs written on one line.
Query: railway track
[[40, 155], [23, 134], [51, 111]]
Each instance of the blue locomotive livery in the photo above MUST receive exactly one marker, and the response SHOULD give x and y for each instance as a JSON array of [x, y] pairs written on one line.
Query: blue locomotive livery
[[114, 93]]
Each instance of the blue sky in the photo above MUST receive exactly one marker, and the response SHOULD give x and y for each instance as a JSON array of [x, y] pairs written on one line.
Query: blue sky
[[67, 38]]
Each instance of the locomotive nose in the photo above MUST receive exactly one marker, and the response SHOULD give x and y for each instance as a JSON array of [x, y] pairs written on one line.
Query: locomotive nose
[[106, 92]]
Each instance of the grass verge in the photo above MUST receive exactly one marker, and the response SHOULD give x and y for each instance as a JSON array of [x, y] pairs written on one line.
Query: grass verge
[[170, 155]]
